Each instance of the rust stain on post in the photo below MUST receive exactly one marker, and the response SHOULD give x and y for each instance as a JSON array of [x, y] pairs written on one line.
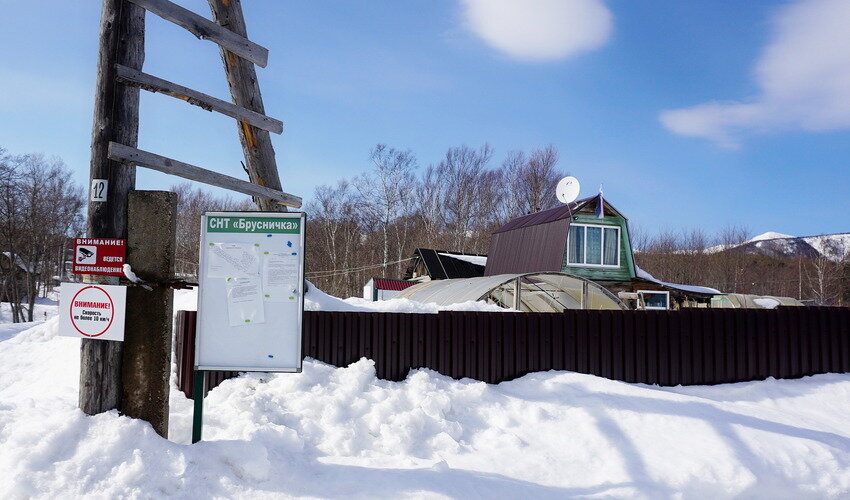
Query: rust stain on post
[[249, 135]]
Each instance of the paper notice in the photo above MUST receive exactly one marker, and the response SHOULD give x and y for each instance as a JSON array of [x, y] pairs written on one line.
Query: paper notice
[[280, 276], [245, 301], [232, 260]]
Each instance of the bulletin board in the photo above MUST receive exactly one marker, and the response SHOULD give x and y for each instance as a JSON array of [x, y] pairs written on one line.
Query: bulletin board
[[251, 291]]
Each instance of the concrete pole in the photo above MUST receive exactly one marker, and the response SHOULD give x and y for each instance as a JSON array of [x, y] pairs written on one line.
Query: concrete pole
[[151, 246]]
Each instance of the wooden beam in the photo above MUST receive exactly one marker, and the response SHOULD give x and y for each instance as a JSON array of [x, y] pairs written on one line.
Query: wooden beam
[[151, 83], [203, 28], [131, 155], [245, 90]]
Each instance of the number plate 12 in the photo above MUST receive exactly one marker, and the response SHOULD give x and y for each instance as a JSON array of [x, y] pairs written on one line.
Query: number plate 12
[[98, 189]]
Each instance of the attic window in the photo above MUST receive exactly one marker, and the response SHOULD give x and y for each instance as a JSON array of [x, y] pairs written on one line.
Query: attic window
[[594, 245]]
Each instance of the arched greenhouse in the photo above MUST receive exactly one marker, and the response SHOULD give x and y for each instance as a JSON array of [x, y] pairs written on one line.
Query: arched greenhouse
[[532, 292]]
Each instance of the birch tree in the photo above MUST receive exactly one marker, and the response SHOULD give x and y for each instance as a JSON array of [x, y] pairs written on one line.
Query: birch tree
[[387, 197]]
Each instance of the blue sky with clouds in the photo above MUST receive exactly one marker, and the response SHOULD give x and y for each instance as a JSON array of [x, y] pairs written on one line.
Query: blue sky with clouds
[[691, 113]]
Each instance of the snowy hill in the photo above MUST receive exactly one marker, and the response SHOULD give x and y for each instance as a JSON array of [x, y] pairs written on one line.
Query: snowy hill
[[835, 247], [342, 433]]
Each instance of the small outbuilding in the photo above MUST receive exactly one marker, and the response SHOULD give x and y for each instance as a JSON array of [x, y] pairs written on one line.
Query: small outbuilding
[[429, 264], [384, 288]]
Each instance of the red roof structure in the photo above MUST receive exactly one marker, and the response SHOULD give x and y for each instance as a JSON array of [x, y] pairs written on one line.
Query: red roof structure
[[391, 284]]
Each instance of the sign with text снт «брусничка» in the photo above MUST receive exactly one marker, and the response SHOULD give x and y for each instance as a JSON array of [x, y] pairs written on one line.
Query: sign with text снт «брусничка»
[[251, 291]]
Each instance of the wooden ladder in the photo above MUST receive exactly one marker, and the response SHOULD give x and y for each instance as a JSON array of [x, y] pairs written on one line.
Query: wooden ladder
[[239, 56]]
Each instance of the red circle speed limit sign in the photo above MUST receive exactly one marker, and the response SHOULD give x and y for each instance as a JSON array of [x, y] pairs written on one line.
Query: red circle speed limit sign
[[92, 311]]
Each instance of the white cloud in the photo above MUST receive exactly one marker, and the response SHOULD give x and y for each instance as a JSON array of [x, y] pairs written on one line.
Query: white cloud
[[803, 75], [539, 30]]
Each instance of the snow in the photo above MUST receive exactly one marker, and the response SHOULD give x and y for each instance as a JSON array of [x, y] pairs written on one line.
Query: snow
[[767, 302], [835, 247], [317, 300], [770, 235], [479, 260], [340, 432], [640, 273], [44, 309]]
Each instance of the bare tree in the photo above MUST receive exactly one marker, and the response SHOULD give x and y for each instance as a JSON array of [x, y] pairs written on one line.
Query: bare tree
[[466, 191], [530, 181], [192, 203], [386, 195], [336, 232], [823, 278], [40, 208]]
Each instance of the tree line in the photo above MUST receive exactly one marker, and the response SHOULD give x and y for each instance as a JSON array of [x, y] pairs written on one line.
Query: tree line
[[369, 224], [717, 261], [40, 207]]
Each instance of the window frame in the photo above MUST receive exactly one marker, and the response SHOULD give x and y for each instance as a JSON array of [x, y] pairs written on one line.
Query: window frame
[[601, 246], [649, 292]]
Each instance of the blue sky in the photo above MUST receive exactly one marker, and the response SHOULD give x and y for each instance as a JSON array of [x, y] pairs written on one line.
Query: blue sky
[[691, 113]]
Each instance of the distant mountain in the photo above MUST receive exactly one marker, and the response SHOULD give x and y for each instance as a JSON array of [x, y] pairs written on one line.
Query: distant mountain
[[835, 247]]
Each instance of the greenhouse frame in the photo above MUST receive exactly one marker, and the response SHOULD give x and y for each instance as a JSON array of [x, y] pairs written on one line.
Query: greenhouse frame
[[529, 292]]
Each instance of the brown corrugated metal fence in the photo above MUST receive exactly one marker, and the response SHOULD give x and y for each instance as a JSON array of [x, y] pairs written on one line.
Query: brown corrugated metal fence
[[687, 347]]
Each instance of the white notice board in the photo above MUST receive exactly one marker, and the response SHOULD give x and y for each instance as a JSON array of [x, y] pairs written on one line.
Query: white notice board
[[251, 291]]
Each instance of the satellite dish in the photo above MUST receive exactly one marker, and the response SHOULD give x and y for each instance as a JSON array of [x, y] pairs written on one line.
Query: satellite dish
[[568, 189]]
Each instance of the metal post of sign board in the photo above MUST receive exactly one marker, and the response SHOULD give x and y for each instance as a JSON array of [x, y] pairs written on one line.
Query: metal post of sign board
[[198, 390], [250, 296]]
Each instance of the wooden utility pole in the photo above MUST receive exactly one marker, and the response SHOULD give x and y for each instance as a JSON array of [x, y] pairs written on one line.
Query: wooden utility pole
[[144, 363], [116, 118], [242, 79]]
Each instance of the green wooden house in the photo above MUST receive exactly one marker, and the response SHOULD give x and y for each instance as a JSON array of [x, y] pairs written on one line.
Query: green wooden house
[[587, 238]]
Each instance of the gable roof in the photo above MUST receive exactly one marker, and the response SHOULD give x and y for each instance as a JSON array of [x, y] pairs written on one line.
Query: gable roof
[[443, 264], [392, 284], [554, 214]]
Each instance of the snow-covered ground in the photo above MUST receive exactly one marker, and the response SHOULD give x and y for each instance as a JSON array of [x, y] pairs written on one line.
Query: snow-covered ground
[[45, 308], [317, 300], [340, 432]]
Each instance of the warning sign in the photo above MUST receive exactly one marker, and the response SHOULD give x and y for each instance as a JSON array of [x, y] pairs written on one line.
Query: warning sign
[[103, 256], [92, 311]]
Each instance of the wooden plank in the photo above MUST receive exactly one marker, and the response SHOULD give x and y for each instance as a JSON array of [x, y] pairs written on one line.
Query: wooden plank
[[122, 153], [245, 91], [205, 29], [144, 81]]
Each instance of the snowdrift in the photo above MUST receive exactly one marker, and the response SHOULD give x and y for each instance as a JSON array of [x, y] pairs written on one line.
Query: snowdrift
[[341, 432]]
